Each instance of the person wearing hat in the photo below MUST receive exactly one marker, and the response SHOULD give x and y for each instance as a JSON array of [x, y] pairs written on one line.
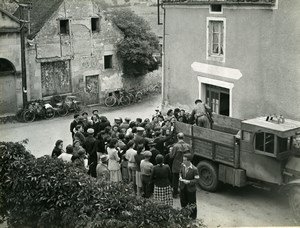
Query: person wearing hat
[[200, 114], [118, 121], [102, 168], [189, 177], [146, 172], [179, 149], [89, 146], [125, 124]]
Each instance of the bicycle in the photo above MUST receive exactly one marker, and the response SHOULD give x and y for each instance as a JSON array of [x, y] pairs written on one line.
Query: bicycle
[[63, 105], [117, 97], [38, 109], [135, 96]]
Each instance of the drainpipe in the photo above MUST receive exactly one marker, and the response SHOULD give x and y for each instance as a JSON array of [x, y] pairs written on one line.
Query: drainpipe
[[23, 31], [163, 57]]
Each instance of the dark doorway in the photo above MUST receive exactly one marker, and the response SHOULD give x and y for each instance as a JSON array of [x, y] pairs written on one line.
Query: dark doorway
[[224, 104]]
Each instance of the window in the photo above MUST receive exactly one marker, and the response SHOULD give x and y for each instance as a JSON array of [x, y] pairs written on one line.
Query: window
[[64, 26], [218, 99], [216, 39], [283, 144], [216, 8], [265, 142], [95, 24], [108, 64]]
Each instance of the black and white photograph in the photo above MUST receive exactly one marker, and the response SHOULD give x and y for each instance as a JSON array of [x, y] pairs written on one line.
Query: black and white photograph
[[149, 113]]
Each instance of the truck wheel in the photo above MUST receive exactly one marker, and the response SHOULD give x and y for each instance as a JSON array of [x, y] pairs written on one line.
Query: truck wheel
[[208, 176], [294, 200]]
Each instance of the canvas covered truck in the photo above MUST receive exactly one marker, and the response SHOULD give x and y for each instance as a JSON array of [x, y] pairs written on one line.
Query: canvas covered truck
[[251, 152]]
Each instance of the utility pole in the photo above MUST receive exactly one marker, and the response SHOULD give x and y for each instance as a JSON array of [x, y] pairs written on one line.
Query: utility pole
[[23, 32]]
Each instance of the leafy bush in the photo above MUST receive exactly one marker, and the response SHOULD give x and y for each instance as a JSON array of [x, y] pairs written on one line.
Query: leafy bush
[[44, 191], [139, 44]]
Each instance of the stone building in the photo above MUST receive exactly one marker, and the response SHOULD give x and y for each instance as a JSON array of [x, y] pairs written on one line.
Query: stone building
[[71, 48], [239, 56], [10, 64]]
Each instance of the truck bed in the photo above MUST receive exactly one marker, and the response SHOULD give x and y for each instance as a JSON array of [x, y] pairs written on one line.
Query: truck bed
[[216, 145]]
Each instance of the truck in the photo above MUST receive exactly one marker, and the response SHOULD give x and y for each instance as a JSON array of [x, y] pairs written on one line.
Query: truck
[[256, 152]]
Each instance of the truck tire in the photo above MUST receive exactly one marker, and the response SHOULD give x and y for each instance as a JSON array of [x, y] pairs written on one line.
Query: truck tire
[[294, 200], [208, 176]]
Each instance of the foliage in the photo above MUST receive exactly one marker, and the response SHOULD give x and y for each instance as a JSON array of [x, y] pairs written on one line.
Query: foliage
[[46, 192], [139, 44]]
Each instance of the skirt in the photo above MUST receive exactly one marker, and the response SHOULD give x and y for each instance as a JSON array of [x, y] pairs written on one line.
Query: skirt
[[163, 195], [138, 178], [115, 176]]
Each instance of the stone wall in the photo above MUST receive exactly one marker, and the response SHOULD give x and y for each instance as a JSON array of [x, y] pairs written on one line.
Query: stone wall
[[83, 48]]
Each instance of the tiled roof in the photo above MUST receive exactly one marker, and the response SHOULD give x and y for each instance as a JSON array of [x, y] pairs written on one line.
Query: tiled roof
[[41, 11]]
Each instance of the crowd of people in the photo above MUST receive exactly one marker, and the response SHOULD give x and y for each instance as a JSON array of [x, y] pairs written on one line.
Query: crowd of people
[[145, 153]]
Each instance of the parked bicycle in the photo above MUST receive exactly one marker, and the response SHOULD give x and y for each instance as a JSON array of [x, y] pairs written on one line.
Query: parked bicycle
[[65, 104], [117, 98], [135, 96], [39, 109]]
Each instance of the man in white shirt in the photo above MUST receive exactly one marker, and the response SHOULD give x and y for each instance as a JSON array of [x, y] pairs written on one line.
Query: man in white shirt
[[129, 155], [67, 157]]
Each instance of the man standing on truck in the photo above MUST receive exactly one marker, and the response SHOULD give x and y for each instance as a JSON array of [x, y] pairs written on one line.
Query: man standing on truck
[[179, 149], [201, 114]]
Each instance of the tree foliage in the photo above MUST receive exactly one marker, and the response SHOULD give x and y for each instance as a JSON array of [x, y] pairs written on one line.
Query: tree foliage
[[139, 44], [46, 192]]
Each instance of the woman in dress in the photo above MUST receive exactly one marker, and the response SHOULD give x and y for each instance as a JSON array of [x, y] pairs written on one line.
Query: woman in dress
[[138, 158], [161, 177], [113, 163]]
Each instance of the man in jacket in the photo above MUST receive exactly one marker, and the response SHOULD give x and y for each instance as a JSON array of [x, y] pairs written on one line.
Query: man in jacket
[[73, 124], [201, 114], [188, 179], [179, 149], [90, 147]]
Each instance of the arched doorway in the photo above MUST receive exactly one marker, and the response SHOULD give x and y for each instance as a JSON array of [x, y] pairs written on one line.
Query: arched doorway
[[8, 96]]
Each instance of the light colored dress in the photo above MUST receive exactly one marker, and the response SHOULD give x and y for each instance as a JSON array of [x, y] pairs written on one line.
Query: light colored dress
[[114, 165]]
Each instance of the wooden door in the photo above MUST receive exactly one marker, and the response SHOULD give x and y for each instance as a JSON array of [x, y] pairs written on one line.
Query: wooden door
[[92, 89]]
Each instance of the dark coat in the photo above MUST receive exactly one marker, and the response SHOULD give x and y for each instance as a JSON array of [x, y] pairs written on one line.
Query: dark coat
[[154, 152], [179, 149], [79, 136], [56, 152], [90, 144], [191, 175], [161, 175]]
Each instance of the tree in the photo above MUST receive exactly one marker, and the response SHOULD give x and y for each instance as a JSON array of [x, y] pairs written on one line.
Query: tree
[[138, 45]]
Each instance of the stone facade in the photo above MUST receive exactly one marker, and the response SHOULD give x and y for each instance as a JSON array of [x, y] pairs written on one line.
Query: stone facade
[[10, 64], [258, 73], [82, 50]]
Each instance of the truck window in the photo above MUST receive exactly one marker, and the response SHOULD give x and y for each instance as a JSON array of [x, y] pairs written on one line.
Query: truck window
[[265, 142], [283, 144]]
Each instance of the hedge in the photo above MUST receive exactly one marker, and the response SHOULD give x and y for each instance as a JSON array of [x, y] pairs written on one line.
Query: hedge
[[46, 192]]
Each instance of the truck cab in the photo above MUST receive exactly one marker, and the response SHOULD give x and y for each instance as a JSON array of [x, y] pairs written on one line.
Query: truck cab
[[266, 148]]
